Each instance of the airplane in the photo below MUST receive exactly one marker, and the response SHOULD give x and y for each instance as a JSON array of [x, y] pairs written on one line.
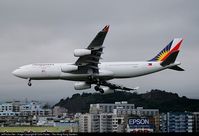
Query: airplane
[[88, 70]]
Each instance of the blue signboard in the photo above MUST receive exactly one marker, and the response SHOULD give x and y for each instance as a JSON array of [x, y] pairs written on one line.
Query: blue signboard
[[139, 123]]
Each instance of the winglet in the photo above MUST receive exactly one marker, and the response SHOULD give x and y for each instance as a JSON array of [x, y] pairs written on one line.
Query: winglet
[[105, 29]]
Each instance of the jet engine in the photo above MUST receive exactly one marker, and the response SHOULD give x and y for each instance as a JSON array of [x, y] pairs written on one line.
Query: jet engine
[[82, 86], [104, 90], [81, 52], [107, 90], [68, 68]]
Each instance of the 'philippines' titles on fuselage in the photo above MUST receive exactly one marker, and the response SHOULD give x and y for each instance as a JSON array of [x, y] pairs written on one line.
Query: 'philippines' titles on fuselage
[[87, 70]]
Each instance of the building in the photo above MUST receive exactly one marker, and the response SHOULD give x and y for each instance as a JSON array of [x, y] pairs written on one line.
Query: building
[[15, 108], [104, 122], [59, 111], [108, 117], [9, 109], [85, 123], [118, 123], [176, 122], [125, 109], [34, 108], [89, 123], [195, 121], [16, 113], [122, 108], [109, 107]]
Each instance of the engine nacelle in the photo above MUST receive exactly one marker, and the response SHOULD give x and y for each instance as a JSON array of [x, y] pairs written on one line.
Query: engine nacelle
[[107, 90], [69, 68], [82, 86], [81, 52]]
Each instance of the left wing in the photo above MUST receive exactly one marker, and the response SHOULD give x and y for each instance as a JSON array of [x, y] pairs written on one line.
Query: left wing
[[89, 63]]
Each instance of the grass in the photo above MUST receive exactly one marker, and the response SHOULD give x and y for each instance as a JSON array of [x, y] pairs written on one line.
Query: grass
[[36, 129]]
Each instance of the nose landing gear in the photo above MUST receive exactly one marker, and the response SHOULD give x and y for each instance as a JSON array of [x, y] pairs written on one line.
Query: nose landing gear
[[29, 82]]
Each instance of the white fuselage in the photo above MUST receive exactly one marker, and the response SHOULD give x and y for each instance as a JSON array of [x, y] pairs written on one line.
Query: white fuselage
[[107, 70]]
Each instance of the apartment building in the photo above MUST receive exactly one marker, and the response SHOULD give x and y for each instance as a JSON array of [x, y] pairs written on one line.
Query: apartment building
[[34, 108], [196, 122], [109, 107], [176, 122]]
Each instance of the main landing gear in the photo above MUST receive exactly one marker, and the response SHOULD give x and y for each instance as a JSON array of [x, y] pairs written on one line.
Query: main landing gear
[[97, 82], [98, 88], [29, 82]]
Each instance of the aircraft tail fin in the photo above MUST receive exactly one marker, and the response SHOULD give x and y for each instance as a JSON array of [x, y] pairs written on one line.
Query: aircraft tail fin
[[170, 59], [169, 53]]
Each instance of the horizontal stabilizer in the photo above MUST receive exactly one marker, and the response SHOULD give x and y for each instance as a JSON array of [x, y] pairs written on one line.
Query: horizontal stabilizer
[[176, 68], [170, 59]]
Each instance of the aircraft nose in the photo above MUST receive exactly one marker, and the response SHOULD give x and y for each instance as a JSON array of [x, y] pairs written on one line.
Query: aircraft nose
[[16, 72], [19, 73]]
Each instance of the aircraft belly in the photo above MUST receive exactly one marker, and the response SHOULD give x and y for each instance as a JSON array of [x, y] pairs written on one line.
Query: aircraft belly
[[103, 74], [74, 77]]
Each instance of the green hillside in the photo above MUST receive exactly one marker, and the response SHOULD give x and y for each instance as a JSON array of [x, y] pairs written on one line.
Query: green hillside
[[162, 100]]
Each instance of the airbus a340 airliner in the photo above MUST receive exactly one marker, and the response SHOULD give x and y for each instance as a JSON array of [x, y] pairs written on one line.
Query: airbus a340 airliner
[[87, 70]]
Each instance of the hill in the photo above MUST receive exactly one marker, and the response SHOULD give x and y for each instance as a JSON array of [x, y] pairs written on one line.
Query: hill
[[157, 99]]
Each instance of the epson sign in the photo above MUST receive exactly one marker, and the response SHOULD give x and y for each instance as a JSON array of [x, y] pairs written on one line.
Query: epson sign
[[139, 121]]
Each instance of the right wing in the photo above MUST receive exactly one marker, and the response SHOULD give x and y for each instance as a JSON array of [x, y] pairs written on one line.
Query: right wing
[[115, 86], [89, 63]]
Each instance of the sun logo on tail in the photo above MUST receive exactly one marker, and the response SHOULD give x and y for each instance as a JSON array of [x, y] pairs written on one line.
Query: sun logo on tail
[[162, 55]]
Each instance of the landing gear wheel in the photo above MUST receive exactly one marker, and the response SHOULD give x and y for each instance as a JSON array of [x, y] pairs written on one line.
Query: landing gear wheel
[[29, 82], [97, 88], [101, 91]]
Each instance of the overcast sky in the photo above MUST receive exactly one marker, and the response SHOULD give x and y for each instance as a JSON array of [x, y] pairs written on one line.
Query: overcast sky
[[34, 31]]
